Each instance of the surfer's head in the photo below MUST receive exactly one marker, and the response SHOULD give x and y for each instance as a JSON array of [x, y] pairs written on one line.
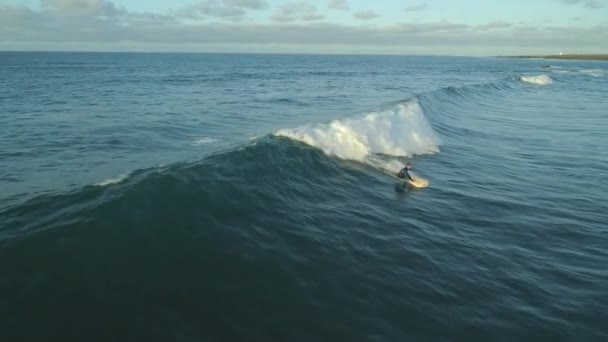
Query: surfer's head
[[408, 166]]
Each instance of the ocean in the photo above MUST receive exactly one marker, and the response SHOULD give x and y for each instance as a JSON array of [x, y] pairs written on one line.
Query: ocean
[[235, 197]]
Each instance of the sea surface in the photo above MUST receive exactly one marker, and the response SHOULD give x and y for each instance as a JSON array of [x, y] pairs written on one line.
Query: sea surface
[[226, 197]]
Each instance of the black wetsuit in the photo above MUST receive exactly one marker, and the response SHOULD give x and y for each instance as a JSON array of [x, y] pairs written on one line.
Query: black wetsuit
[[405, 173]]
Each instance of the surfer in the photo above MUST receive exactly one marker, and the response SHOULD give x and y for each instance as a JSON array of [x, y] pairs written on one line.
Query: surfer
[[405, 172]]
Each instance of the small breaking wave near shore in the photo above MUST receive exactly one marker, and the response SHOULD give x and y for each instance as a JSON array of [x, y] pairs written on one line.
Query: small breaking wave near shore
[[540, 79]]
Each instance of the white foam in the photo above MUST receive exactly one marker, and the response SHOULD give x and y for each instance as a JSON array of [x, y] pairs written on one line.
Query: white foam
[[593, 72], [540, 79], [204, 140], [113, 180], [400, 131]]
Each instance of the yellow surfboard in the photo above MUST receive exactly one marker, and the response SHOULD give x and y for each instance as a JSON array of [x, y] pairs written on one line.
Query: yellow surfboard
[[419, 182]]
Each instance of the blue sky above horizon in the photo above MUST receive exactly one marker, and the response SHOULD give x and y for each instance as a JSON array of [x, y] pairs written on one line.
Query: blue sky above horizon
[[443, 27]]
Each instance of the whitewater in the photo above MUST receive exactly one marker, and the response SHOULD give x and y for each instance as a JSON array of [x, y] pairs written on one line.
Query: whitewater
[[400, 131]]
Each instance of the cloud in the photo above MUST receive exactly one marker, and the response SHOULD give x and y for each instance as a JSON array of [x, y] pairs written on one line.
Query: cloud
[[338, 4], [17, 16], [227, 9], [585, 3], [495, 25], [417, 8], [55, 28], [366, 15], [248, 4], [297, 11], [83, 7]]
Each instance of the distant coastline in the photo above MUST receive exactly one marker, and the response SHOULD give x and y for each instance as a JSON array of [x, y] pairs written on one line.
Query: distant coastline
[[588, 57]]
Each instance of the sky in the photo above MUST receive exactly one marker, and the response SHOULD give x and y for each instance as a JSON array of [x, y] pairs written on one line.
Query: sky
[[428, 27]]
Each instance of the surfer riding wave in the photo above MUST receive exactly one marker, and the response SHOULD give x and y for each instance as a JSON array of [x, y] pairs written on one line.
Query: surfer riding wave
[[405, 172], [410, 178]]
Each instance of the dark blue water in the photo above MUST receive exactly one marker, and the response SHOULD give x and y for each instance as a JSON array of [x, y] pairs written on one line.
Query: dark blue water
[[201, 197]]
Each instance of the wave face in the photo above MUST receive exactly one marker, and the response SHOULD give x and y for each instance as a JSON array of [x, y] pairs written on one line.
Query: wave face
[[540, 79], [402, 130], [246, 201]]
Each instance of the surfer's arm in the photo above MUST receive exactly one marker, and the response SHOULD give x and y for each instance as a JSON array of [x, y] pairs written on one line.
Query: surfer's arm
[[408, 176]]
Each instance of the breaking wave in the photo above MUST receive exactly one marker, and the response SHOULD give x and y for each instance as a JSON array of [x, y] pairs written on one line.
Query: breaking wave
[[540, 79], [402, 131]]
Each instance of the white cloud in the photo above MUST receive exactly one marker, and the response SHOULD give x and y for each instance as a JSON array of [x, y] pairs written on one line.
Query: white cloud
[[366, 15], [297, 11], [83, 7], [338, 4], [585, 3], [416, 8], [57, 25], [495, 25], [227, 9], [248, 4]]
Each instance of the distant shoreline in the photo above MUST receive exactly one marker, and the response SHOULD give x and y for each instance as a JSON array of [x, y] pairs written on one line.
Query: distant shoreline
[[589, 57]]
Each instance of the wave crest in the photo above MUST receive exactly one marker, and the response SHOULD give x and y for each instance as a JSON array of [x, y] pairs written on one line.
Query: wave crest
[[204, 141], [113, 180], [540, 79], [402, 130]]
